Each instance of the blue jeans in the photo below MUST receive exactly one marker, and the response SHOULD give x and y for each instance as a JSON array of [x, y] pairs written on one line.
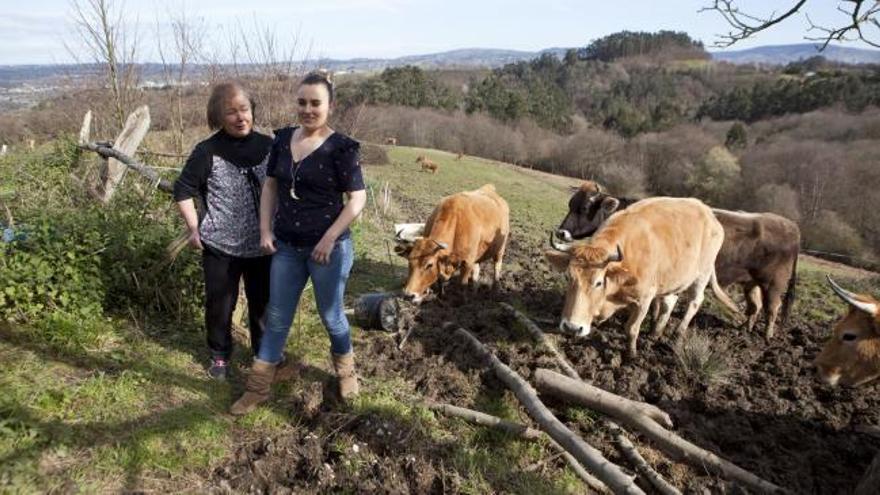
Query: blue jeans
[[291, 268]]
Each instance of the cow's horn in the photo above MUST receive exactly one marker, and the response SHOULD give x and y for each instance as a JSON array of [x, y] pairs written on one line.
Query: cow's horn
[[441, 245], [851, 298], [617, 256], [559, 246]]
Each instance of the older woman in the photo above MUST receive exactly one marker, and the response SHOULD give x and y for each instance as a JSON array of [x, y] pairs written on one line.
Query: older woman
[[225, 173], [304, 222]]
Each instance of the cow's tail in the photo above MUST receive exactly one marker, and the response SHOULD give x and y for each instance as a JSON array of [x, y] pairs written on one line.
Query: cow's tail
[[722, 296], [788, 300]]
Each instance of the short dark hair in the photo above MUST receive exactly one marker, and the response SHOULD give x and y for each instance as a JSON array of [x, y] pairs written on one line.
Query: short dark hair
[[320, 77], [219, 94]]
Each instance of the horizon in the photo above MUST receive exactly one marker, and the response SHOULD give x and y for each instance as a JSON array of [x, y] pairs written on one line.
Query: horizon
[[389, 29]]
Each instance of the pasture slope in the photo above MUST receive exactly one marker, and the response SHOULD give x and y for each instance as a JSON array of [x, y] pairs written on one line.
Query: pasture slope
[[136, 412]]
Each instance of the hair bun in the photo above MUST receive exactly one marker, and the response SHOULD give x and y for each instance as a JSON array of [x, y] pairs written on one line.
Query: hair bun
[[325, 74]]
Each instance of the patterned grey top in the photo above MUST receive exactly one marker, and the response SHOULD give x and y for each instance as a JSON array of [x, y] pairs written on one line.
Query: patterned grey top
[[232, 217]]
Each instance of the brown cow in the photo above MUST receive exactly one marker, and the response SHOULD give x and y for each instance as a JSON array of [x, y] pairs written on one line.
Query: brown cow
[[657, 248], [391, 141], [427, 164], [464, 229], [459, 156], [852, 354], [759, 253]]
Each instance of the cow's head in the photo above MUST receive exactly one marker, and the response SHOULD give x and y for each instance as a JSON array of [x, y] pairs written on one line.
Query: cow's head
[[588, 209], [595, 275], [429, 260], [852, 355]]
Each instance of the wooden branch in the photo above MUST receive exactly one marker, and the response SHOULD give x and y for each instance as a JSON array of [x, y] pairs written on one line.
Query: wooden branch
[[521, 431], [161, 153], [130, 162], [591, 458], [639, 463], [483, 419], [542, 340], [630, 452], [565, 388]]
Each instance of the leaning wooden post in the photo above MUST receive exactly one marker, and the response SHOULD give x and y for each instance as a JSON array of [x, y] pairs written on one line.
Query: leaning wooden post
[[127, 142], [590, 457]]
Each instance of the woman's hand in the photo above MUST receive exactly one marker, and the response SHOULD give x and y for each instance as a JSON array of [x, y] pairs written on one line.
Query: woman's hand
[[322, 250], [194, 239], [267, 243]]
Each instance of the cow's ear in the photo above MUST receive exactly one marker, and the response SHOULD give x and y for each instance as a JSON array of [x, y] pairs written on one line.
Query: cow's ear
[[558, 260], [610, 205], [449, 263], [621, 276]]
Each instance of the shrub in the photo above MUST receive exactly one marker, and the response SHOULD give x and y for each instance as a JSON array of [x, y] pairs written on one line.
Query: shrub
[[701, 359], [778, 198], [829, 232]]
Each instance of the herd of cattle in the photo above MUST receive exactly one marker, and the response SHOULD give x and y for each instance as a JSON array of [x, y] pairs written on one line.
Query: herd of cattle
[[622, 253]]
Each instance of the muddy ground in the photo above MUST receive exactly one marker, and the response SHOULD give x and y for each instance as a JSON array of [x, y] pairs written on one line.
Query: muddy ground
[[769, 414]]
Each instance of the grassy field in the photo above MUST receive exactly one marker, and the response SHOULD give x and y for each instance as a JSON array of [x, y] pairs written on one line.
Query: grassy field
[[122, 403]]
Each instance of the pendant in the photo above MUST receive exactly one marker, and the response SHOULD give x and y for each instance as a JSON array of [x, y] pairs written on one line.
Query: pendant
[[293, 192]]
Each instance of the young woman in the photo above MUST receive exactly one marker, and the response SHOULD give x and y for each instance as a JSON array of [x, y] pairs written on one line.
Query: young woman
[[310, 168], [225, 173]]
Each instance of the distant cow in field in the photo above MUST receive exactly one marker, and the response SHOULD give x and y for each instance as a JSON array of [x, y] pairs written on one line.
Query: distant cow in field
[[852, 354], [459, 156], [657, 248], [760, 250], [391, 141], [427, 164], [464, 230]]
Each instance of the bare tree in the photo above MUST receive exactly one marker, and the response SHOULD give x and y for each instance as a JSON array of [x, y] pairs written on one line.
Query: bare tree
[[861, 22], [100, 25], [187, 37]]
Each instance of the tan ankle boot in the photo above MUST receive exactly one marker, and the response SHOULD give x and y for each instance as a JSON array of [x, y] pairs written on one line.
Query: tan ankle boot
[[348, 384], [257, 389]]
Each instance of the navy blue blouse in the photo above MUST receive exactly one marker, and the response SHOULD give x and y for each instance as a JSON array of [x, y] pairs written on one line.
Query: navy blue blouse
[[319, 181]]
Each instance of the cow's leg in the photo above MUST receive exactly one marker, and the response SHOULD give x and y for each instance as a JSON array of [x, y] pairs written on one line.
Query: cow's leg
[[475, 274], [665, 305], [655, 311], [467, 270], [634, 324], [696, 294], [752, 291], [772, 303], [497, 259]]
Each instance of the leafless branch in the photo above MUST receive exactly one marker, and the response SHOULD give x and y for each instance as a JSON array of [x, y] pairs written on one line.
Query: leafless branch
[[861, 17]]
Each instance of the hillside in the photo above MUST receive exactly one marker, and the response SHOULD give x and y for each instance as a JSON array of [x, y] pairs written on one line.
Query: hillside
[[120, 402], [784, 54]]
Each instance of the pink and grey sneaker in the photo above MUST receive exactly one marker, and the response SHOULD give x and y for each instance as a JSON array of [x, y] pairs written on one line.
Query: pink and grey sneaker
[[219, 369]]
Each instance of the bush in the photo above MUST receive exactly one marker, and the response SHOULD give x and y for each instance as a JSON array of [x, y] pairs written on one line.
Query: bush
[[716, 177], [830, 233], [780, 199], [57, 266]]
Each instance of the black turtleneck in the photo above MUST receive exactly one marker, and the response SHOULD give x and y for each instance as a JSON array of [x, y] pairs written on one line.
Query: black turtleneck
[[242, 152]]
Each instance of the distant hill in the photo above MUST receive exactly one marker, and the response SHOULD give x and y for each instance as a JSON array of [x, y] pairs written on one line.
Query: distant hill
[[462, 58], [783, 54]]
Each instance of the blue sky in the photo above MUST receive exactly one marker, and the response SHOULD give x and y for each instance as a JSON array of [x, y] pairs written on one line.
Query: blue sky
[[37, 31]]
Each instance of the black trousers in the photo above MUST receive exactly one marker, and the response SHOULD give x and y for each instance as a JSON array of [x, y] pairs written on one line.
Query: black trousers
[[222, 275]]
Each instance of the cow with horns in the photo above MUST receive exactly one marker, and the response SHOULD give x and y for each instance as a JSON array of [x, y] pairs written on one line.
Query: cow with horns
[[759, 253], [852, 354], [658, 248], [464, 230]]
